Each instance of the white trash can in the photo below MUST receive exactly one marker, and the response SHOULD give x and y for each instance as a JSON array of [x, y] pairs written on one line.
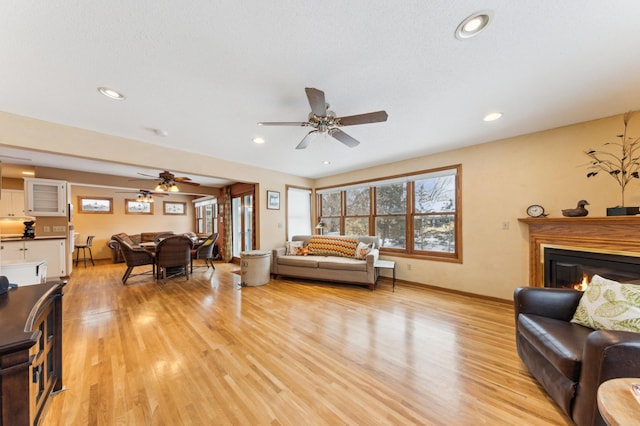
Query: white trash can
[[255, 267]]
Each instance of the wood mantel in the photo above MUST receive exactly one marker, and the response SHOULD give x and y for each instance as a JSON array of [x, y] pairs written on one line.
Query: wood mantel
[[619, 234]]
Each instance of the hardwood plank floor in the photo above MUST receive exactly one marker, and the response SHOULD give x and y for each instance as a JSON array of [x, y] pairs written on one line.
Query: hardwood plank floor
[[208, 352]]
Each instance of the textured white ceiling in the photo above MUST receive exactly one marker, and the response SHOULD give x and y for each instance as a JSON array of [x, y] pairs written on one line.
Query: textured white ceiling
[[208, 71]]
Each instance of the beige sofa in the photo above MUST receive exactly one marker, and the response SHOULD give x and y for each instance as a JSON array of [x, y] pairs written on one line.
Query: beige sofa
[[328, 268]]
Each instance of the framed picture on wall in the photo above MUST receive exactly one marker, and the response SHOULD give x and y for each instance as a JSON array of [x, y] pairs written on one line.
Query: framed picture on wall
[[137, 207], [172, 207], [273, 200], [102, 205]]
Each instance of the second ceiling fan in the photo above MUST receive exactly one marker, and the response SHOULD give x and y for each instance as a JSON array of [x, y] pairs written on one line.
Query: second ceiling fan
[[325, 121]]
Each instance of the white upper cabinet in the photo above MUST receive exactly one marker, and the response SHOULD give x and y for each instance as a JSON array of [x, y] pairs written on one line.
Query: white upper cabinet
[[12, 203], [45, 197]]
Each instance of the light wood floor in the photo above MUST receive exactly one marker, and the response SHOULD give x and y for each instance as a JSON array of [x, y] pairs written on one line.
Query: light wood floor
[[208, 352]]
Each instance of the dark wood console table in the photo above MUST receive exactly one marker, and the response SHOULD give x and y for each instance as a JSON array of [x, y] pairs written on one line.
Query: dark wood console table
[[30, 351]]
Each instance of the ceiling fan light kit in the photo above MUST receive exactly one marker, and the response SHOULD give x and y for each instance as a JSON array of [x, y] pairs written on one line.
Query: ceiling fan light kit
[[324, 120]]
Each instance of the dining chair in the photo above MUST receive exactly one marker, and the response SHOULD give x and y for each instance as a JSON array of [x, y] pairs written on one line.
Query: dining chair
[[84, 247], [135, 256], [173, 255], [205, 251]]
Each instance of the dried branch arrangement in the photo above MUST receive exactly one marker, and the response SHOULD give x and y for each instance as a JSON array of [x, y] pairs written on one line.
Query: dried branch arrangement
[[622, 167]]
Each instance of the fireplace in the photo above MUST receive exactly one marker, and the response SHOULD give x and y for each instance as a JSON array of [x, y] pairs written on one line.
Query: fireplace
[[569, 268], [615, 236]]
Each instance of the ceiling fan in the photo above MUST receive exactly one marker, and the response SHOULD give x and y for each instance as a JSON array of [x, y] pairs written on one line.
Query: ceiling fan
[[325, 121], [144, 195], [168, 181]]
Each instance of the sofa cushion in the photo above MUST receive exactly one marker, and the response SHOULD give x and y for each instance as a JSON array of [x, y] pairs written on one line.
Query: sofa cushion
[[147, 237], [332, 246], [609, 305], [307, 261], [342, 263], [560, 342]]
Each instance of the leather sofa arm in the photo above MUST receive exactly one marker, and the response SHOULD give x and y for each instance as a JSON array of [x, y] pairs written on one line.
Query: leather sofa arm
[[556, 303], [607, 355], [113, 244]]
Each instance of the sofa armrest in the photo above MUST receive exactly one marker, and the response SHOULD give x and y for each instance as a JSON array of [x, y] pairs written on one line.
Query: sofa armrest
[[607, 355], [280, 251], [372, 272], [113, 244], [556, 303]]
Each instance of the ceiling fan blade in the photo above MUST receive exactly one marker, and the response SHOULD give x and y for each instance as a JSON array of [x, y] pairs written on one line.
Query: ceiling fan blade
[[186, 182], [283, 123], [306, 140], [370, 117], [316, 101], [182, 179], [344, 138], [151, 176]]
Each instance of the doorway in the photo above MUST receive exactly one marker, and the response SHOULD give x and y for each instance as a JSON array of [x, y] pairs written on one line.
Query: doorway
[[242, 212]]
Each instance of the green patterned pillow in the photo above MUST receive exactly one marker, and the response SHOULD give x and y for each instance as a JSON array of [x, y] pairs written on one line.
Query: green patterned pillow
[[609, 305]]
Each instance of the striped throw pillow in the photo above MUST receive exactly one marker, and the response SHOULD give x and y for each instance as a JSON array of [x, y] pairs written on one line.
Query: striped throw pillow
[[332, 246]]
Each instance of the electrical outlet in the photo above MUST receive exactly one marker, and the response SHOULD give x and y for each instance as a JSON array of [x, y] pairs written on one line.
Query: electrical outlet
[[408, 266], [505, 225]]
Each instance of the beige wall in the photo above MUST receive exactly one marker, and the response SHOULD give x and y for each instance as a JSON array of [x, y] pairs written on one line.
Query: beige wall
[[103, 226], [499, 180]]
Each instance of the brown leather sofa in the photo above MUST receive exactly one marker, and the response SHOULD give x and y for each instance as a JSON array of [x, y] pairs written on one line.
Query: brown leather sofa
[[568, 360], [133, 240]]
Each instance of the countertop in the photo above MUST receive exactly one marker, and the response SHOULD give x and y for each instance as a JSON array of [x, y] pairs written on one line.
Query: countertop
[[19, 238]]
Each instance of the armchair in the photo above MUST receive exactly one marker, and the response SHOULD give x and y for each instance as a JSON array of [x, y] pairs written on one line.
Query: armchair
[[570, 361], [134, 256]]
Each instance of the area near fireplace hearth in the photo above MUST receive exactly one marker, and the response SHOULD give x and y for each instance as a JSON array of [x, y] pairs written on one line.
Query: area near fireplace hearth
[[613, 238]]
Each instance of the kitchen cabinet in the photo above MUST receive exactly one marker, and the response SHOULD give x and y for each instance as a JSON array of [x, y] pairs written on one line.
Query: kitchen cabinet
[[45, 197], [51, 250], [12, 203]]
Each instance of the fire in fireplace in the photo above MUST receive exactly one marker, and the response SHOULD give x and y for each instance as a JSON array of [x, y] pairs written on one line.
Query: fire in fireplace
[[569, 268]]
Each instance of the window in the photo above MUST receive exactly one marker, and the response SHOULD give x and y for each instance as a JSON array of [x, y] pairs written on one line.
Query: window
[[413, 215], [298, 211], [330, 212], [358, 208], [206, 216]]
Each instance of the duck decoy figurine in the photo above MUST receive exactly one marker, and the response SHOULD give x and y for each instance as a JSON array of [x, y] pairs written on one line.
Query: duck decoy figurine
[[578, 211]]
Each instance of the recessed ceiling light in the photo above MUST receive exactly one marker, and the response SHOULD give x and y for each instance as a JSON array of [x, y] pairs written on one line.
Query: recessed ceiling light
[[326, 162], [110, 93], [492, 116], [258, 140], [473, 25]]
